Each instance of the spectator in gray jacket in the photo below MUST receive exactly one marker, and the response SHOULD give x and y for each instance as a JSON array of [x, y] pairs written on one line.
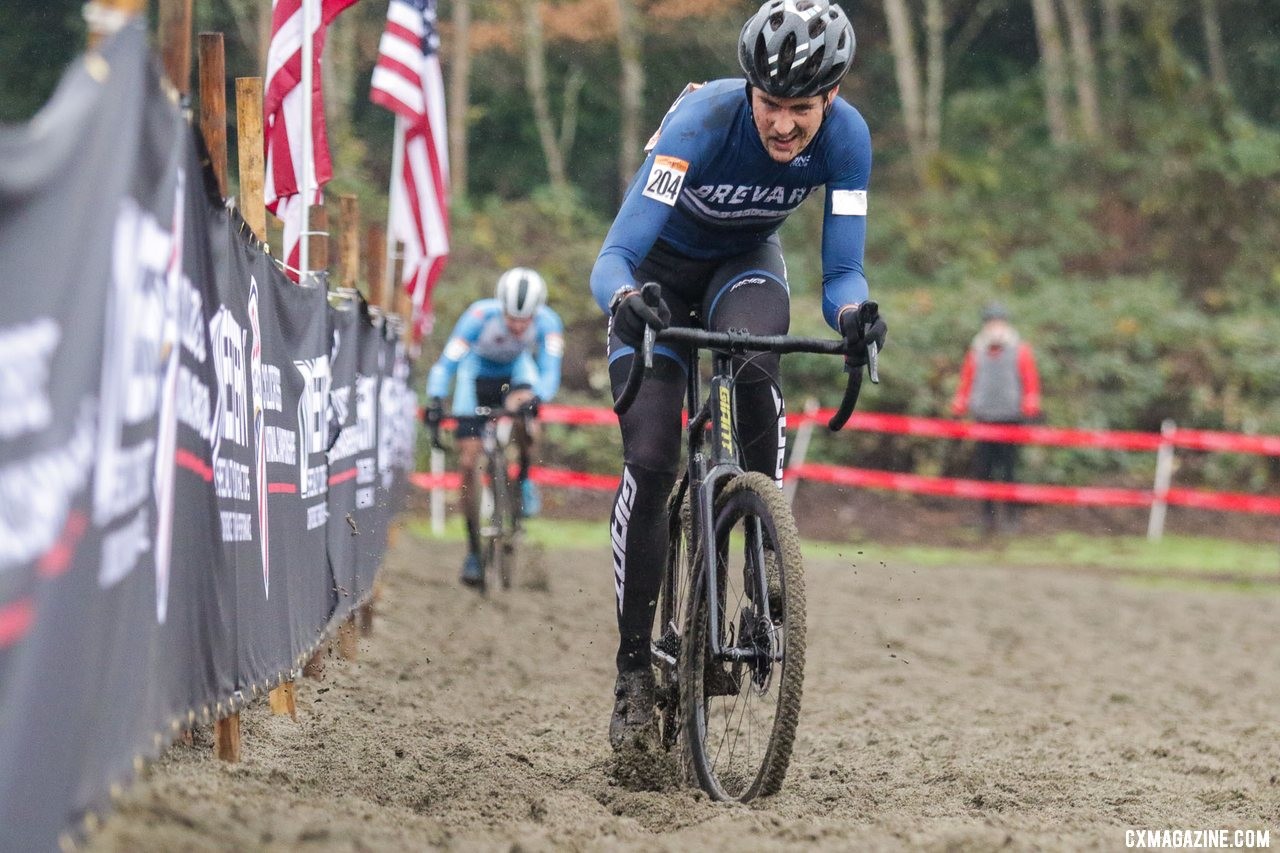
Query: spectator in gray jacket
[[999, 384]]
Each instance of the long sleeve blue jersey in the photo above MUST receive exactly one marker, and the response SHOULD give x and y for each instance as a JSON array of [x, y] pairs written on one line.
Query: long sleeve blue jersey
[[481, 345], [709, 189]]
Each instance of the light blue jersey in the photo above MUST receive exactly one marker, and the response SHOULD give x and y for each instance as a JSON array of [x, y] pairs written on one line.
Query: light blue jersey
[[481, 346], [710, 190]]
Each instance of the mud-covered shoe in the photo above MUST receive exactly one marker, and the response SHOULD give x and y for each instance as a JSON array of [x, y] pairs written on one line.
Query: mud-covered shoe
[[633, 722], [472, 571]]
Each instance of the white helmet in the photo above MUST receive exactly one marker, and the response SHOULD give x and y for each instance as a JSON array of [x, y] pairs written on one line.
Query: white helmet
[[521, 292]]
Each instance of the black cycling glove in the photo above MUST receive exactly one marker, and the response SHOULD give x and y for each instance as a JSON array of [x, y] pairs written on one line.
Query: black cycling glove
[[632, 315], [860, 327]]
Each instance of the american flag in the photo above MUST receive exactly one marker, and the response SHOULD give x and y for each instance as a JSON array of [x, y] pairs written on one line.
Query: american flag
[[407, 81], [282, 106]]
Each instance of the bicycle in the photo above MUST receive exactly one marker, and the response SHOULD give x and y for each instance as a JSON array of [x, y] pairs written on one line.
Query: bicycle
[[501, 510], [730, 643]]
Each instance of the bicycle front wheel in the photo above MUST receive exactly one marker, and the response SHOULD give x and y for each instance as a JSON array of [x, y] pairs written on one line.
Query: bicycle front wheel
[[493, 528], [741, 708]]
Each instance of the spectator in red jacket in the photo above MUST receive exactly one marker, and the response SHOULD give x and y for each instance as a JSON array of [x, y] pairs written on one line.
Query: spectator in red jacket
[[998, 384]]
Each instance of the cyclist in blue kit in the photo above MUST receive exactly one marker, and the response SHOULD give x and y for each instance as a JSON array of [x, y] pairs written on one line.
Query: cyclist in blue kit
[[727, 166], [491, 352]]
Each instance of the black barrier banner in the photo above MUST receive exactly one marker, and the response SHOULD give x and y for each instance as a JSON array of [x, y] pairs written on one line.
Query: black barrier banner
[[173, 412], [343, 528]]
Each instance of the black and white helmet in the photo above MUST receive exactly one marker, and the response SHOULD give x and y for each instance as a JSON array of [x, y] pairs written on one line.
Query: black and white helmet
[[796, 48], [521, 292]]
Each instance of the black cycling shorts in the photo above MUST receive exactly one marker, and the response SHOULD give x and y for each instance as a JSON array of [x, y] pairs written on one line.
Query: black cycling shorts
[[490, 392], [745, 292]]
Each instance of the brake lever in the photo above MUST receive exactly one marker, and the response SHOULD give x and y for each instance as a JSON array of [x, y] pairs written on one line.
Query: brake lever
[[867, 312]]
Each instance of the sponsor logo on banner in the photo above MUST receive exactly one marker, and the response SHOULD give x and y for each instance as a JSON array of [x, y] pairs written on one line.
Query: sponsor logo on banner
[[140, 381], [361, 435], [313, 433], [24, 376], [259, 435], [232, 480]]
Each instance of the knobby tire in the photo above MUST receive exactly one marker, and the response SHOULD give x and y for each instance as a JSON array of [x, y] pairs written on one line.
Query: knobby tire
[[711, 734]]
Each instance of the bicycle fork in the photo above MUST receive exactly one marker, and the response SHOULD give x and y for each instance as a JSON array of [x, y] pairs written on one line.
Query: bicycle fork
[[705, 485]]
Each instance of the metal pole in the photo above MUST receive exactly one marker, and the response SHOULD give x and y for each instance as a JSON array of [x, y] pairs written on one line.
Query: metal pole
[[437, 492], [308, 155], [1164, 477], [799, 450], [397, 185]]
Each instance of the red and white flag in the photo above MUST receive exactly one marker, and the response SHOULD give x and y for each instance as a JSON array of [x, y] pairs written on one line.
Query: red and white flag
[[282, 108], [407, 81]]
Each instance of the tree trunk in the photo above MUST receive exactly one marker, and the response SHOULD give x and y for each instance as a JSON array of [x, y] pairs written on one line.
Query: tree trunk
[[459, 98], [1049, 35], [1213, 43], [1114, 51], [569, 113], [631, 92], [935, 74], [907, 65], [1085, 65], [340, 60], [535, 67]]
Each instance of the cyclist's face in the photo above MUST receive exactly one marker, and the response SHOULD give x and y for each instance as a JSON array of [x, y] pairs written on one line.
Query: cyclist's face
[[787, 125], [517, 326]]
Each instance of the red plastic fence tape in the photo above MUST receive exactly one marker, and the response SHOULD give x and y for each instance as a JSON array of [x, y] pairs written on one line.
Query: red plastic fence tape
[[1187, 439], [1202, 440]]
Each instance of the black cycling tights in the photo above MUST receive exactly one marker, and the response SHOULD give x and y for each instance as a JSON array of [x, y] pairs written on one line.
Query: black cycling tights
[[651, 440]]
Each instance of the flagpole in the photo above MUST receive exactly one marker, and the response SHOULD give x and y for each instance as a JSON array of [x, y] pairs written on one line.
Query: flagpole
[[397, 167], [308, 155]]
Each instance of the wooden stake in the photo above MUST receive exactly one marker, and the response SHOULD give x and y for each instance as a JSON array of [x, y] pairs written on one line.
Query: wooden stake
[[252, 165], [226, 738], [283, 700], [175, 37], [213, 104], [375, 253], [348, 643], [318, 248], [349, 240]]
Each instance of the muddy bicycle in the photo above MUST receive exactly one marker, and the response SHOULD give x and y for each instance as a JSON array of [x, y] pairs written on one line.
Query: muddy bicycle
[[729, 644], [501, 510]]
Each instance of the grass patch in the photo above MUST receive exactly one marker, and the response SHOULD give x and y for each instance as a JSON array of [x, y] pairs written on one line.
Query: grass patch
[[1173, 561], [557, 534]]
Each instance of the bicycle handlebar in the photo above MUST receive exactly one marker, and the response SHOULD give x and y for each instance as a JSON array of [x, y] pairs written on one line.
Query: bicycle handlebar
[[743, 342], [524, 413]]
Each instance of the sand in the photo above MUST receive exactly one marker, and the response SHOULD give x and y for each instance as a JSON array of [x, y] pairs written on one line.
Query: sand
[[965, 708]]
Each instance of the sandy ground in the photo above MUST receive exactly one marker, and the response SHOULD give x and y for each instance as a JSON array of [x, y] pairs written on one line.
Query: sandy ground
[[956, 709]]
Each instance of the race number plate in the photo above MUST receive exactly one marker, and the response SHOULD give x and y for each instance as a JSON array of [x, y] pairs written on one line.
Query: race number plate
[[665, 179]]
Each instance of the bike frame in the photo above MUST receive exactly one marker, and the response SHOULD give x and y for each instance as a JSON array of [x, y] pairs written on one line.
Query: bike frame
[[708, 469]]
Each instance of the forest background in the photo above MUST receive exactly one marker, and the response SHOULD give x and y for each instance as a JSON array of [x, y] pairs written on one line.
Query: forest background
[[1109, 169]]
